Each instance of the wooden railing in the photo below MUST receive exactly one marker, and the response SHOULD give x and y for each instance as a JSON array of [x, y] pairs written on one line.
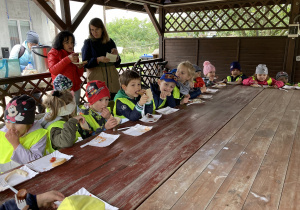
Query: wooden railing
[[42, 83]]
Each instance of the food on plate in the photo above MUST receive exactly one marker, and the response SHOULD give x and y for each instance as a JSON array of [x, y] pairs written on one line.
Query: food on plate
[[16, 171], [21, 195], [84, 125], [100, 139], [149, 115], [58, 162], [141, 92], [53, 159], [118, 119]]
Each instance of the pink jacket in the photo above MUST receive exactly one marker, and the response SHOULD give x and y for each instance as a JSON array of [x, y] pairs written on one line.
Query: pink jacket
[[250, 81]]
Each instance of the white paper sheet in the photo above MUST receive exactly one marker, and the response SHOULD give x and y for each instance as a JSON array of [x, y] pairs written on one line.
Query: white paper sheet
[[166, 110], [16, 178], [102, 140], [151, 118], [208, 90], [83, 191], [195, 101], [112, 57], [137, 130], [44, 164], [205, 96]]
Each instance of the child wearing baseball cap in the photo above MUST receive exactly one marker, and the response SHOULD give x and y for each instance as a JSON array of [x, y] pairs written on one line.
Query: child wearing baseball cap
[[22, 140], [162, 91], [261, 77], [209, 72], [96, 113], [131, 102], [236, 75]]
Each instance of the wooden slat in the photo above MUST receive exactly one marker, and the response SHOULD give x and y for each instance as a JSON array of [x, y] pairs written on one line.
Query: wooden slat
[[168, 194], [153, 19], [237, 184], [266, 190], [66, 12]]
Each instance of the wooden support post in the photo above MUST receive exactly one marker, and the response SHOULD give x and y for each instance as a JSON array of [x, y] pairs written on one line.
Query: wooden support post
[[161, 38], [66, 13], [290, 58], [50, 13], [153, 19], [104, 16]]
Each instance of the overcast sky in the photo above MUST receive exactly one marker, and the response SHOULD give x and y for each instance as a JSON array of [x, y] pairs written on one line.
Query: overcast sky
[[81, 32]]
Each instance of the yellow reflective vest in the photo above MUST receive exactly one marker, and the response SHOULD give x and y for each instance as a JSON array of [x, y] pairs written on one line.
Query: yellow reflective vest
[[27, 141]]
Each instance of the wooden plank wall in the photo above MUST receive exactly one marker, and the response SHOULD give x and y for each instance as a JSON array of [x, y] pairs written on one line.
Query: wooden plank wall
[[249, 51]]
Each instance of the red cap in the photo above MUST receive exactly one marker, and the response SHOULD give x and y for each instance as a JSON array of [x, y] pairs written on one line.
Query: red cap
[[95, 90]]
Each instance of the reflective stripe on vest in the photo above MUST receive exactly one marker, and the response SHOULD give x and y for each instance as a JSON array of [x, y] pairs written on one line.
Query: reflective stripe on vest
[[176, 93], [163, 103], [129, 103], [91, 121], [269, 80], [236, 79], [6, 149]]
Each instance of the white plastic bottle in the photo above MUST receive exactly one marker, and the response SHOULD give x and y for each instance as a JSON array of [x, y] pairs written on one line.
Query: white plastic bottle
[[29, 66]]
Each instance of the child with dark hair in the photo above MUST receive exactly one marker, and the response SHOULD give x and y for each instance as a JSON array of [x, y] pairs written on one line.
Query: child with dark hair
[[61, 59], [22, 140], [283, 76], [261, 77], [128, 101], [236, 75]]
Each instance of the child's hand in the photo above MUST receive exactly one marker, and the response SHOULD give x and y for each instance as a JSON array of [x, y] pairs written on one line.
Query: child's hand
[[225, 80], [73, 57], [239, 81], [79, 118], [143, 100], [13, 137], [191, 84], [203, 89], [275, 86], [111, 123], [105, 113], [164, 94], [103, 59]]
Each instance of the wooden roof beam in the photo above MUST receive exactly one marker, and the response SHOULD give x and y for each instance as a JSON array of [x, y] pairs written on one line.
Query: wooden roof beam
[[81, 13], [50, 13], [66, 13], [153, 19]]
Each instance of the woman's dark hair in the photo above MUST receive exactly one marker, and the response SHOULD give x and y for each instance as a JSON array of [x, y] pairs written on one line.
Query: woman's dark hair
[[97, 22], [60, 38]]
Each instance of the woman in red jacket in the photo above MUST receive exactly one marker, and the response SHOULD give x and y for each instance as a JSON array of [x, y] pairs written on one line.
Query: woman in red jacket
[[61, 59]]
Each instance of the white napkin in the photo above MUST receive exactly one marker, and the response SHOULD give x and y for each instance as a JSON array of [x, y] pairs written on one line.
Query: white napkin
[[166, 110], [112, 57], [137, 130], [102, 140], [154, 118]]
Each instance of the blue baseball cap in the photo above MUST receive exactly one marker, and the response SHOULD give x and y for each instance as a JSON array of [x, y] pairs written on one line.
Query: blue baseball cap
[[169, 77], [235, 65]]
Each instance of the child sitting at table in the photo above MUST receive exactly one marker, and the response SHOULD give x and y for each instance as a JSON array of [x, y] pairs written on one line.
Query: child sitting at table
[[162, 91], [185, 73], [96, 113], [60, 120], [209, 72], [199, 84], [22, 140], [261, 77], [236, 75], [283, 76], [129, 103]]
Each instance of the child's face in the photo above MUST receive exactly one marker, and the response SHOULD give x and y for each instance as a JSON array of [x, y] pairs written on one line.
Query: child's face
[[197, 74], [235, 72], [261, 77], [21, 128], [283, 79], [99, 105], [132, 88], [68, 44], [183, 74], [166, 86], [211, 74]]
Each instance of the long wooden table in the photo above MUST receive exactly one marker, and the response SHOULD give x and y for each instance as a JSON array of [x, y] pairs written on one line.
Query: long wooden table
[[127, 172]]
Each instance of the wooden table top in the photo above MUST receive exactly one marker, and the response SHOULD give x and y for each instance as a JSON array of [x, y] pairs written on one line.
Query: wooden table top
[[128, 171]]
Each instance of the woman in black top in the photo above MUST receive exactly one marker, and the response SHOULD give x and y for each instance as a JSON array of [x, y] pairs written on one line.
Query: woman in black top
[[94, 50]]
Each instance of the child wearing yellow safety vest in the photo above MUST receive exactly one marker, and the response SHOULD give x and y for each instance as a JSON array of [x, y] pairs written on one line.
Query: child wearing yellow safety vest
[[162, 91], [128, 102], [96, 113], [236, 75], [22, 140], [261, 77]]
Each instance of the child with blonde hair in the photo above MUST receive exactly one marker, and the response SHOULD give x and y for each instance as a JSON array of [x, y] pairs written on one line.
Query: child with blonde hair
[[261, 77], [60, 120], [22, 139], [185, 73], [209, 72]]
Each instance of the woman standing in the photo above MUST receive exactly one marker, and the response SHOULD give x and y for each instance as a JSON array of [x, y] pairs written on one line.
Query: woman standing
[[94, 51]]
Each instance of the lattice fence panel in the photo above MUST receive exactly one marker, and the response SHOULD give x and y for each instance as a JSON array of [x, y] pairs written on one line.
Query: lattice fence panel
[[254, 15]]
